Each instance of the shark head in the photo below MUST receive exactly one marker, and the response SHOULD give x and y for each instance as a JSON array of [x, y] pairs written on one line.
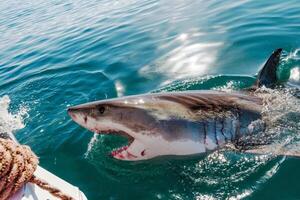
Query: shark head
[[142, 119]]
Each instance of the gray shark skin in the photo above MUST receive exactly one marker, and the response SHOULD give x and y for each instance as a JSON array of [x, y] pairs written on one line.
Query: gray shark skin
[[181, 123], [178, 123]]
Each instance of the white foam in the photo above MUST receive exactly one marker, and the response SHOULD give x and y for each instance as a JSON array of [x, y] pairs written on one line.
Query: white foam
[[92, 142], [120, 88], [278, 102], [229, 87], [294, 55], [205, 197], [281, 111], [295, 75], [11, 122]]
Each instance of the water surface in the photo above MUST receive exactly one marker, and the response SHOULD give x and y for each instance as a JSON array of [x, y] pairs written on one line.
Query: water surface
[[60, 53]]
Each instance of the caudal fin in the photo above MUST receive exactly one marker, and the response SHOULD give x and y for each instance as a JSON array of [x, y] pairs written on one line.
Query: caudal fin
[[267, 75]]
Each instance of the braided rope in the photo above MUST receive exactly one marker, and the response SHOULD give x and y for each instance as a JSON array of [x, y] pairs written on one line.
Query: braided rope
[[52, 190], [17, 165]]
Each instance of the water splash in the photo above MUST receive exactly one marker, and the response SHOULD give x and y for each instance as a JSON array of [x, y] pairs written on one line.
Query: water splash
[[288, 69], [229, 87], [295, 76], [92, 142], [290, 56], [282, 113], [11, 122]]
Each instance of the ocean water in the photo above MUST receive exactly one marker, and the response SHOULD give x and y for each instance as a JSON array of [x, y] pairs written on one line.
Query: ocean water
[[59, 53]]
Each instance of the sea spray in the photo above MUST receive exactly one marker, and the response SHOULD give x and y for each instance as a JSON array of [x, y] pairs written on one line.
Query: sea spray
[[92, 142], [11, 122]]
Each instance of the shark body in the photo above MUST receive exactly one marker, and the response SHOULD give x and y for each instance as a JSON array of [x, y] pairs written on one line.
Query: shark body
[[178, 123]]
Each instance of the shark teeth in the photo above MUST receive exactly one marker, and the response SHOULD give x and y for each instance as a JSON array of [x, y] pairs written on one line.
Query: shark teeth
[[118, 151], [123, 153]]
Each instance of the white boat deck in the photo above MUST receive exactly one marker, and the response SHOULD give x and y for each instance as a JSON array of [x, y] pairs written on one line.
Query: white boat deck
[[33, 192]]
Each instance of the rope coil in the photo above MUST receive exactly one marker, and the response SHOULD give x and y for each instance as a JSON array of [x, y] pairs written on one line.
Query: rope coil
[[17, 165]]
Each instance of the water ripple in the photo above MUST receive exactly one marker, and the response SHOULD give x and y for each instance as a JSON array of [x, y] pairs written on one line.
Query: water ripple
[[60, 53]]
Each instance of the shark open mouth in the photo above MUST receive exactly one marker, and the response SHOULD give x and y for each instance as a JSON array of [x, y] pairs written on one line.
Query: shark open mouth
[[122, 152]]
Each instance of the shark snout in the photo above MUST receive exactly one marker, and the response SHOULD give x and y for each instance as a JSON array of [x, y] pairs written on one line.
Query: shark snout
[[72, 112], [89, 117], [78, 115]]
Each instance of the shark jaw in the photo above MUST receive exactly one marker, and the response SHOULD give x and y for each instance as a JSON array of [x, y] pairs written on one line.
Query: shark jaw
[[134, 150]]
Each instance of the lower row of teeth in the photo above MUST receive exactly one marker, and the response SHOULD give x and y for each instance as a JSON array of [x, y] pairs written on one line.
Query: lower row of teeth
[[113, 153]]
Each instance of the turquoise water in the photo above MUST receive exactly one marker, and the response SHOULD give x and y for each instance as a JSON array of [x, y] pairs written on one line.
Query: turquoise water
[[60, 53]]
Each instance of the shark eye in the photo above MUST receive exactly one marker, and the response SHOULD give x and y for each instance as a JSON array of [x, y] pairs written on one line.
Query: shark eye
[[101, 109]]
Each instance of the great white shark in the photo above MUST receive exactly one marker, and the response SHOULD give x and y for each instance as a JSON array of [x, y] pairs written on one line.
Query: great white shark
[[179, 123]]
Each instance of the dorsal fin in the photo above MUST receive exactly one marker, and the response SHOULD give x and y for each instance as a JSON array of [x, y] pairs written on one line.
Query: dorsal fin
[[267, 75]]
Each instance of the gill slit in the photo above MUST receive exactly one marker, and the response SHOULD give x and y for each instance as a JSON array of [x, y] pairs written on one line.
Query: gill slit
[[216, 138], [205, 134], [222, 130]]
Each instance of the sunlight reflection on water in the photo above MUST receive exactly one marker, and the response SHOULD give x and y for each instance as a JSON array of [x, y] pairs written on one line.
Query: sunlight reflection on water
[[186, 60]]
